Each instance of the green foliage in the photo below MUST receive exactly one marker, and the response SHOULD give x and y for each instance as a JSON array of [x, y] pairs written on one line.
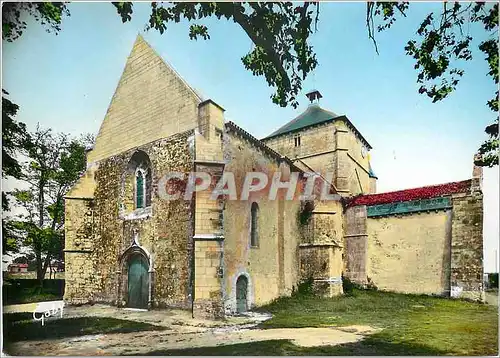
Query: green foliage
[[283, 56], [18, 291], [49, 14], [305, 288], [55, 162], [279, 31], [350, 288], [444, 41], [14, 142], [10, 242], [28, 259], [493, 280], [488, 152], [14, 138], [305, 214]]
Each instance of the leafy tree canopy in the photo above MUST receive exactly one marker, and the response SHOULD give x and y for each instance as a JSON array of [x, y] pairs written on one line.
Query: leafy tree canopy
[[14, 143], [284, 56], [14, 14], [55, 162], [443, 42]]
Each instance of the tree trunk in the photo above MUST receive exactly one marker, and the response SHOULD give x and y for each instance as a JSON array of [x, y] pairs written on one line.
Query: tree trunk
[[40, 274], [45, 265], [40, 271]]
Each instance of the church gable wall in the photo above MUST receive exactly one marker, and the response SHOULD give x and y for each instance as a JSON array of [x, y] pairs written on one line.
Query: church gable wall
[[163, 231], [151, 102]]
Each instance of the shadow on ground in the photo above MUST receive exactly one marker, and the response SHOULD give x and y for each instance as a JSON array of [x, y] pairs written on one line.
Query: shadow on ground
[[370, 346], [22, 327]]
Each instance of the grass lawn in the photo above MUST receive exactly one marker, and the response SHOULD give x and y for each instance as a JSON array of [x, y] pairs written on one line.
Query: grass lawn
[[412, 325], [29, 295], [22, 327], [18, 291]]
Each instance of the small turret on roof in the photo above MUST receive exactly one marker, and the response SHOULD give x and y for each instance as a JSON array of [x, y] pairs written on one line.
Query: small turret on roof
[[314, 95]]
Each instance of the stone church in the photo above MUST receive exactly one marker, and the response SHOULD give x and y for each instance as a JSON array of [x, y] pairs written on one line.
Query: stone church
[[127, 247]]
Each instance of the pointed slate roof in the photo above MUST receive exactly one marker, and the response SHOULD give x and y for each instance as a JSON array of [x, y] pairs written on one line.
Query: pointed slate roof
[[314, 114]]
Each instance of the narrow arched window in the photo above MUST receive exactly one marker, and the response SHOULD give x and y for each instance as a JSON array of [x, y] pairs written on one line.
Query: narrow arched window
[[139, 191], [254, 230]]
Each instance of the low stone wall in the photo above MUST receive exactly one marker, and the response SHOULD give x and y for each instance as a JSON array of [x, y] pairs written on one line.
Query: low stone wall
[[410, 253], [428, 246]]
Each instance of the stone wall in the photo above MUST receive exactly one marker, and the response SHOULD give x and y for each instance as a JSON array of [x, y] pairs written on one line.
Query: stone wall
[[351, 167], [426, 251], [271, 267], [313, 141], [323, 264], [321, 247], [209, 230], [329, 147], [290, 243], [373, 185], [467, 246], [162, 231], [151, 102], [208, 300], [410, 253], [79, 269], [356, 244]]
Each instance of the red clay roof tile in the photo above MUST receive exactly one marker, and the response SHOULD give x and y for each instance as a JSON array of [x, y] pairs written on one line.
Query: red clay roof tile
[[424, 192]]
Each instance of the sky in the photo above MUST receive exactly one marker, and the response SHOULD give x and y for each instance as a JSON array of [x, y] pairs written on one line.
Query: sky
[[66, 82]]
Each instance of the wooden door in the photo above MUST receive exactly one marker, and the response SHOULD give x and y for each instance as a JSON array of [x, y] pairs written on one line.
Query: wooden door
[[241, 294], [138, 282]]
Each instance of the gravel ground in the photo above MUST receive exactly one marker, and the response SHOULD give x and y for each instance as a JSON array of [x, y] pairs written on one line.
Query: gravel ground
[[183, 332]]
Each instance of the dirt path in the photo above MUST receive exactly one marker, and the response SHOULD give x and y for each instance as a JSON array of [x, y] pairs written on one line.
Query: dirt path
[[179, 320], [143, 342], [24, 307], [183, 332], [492, 297]]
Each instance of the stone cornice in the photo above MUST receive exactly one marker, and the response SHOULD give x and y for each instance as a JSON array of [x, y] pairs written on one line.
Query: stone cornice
[[260, 145]]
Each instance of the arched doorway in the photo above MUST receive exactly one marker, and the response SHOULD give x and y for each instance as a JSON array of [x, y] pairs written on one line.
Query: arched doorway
[[138, 282], [241, 294]]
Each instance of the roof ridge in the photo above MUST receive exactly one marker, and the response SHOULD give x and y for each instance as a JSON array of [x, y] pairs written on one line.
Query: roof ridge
[[421, 187], [170, 66], [290, 122], [281, 130]]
